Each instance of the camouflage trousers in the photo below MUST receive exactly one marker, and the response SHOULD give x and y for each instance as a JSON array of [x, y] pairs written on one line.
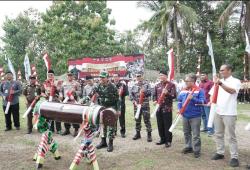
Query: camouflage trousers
[[109, 132], [145, 113]]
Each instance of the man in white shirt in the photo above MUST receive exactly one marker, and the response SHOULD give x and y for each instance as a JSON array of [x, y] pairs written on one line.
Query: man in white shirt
[[226, 114]]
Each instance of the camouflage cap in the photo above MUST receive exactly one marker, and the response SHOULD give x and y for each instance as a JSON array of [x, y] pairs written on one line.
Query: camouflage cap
[[103, 74]]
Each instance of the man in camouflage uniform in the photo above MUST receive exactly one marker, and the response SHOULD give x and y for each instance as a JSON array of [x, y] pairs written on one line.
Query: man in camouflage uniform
[[31, 90], [108, 97], [141, 87], [74, 87], [123, 92], [45, 92]]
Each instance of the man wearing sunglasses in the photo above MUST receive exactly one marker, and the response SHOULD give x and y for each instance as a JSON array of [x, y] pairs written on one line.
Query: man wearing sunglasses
[[31, 90], [226, 114]]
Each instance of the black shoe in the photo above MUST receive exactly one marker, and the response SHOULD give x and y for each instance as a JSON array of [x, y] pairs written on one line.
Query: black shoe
[[110, 146], [204, 130], [29, 132], [248, 166], [149, 138], [217, 156], [234, 162], [197, 154], [137, 135], [7, 129], [187, 150], [75, 133], [102, 144], [123, 135], [161, 142], [57, 158], [17, 128], [168, 145], [66, 132], [38, 166]]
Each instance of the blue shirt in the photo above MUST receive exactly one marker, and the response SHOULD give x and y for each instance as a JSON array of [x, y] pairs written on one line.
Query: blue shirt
[[192, 110], [5, 90]]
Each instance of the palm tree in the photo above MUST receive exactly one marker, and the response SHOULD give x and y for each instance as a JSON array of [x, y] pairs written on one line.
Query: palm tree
[[244, 22], [169, 18]]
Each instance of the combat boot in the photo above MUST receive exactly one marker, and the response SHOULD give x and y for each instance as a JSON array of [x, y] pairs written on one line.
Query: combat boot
[[149, 139], [110, 145], [137, 135], [102, 144]]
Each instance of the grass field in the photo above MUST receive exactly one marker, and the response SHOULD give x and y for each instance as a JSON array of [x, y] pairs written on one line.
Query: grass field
[[17, 149]]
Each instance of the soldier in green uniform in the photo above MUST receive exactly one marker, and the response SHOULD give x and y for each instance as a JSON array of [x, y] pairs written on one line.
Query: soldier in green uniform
[[31, 90], [141, 86], [108, 97]]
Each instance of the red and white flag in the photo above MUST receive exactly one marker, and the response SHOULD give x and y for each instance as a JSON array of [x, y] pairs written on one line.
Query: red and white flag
[[47, 61], [171, 64], [19, 75]]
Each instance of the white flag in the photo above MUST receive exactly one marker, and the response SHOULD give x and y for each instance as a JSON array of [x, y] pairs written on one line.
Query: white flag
[[210, 52], [11, 68], [27, 69], [247, 43]]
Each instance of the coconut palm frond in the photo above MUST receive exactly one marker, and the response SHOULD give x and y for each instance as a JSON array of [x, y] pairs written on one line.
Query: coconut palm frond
[[187, 14], [152, 5], [227, 12]]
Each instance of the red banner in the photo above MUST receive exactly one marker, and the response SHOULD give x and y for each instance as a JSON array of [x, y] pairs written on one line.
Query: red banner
[[125, 65]]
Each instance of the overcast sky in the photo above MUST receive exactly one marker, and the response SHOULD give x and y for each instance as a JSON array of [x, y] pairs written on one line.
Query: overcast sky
[[126, 14]]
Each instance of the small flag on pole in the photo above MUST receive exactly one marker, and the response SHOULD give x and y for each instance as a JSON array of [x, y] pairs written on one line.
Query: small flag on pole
[[247, 43], [19, 75], [211, 53], [47, 61], [27, 69], [171, 64], [11, 68]]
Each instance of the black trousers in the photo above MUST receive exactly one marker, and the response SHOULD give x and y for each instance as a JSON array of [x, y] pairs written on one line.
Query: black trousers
[[68, 125], [29, 121], [14, 111], [122, 119], [241, 96], [164, 122]]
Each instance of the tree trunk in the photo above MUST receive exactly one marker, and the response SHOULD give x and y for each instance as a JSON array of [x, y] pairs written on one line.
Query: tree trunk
[[247, 28], [177, 44]]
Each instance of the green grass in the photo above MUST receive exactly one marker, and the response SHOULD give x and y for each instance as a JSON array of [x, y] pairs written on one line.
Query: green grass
[[146, 156]]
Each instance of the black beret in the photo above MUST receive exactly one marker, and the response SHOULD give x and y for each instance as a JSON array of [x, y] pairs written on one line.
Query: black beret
[[9, 72], [51, 71], [165, 72]]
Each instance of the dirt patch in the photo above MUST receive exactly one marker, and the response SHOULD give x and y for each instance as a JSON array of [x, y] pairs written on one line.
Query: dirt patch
[[17, 150]]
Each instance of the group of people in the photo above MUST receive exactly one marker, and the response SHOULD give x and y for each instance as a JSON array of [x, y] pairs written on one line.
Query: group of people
[[244, 93], [111, 93]]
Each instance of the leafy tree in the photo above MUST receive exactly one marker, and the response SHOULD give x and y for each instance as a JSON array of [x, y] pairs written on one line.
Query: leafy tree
[[75, 29], [170, 17]]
